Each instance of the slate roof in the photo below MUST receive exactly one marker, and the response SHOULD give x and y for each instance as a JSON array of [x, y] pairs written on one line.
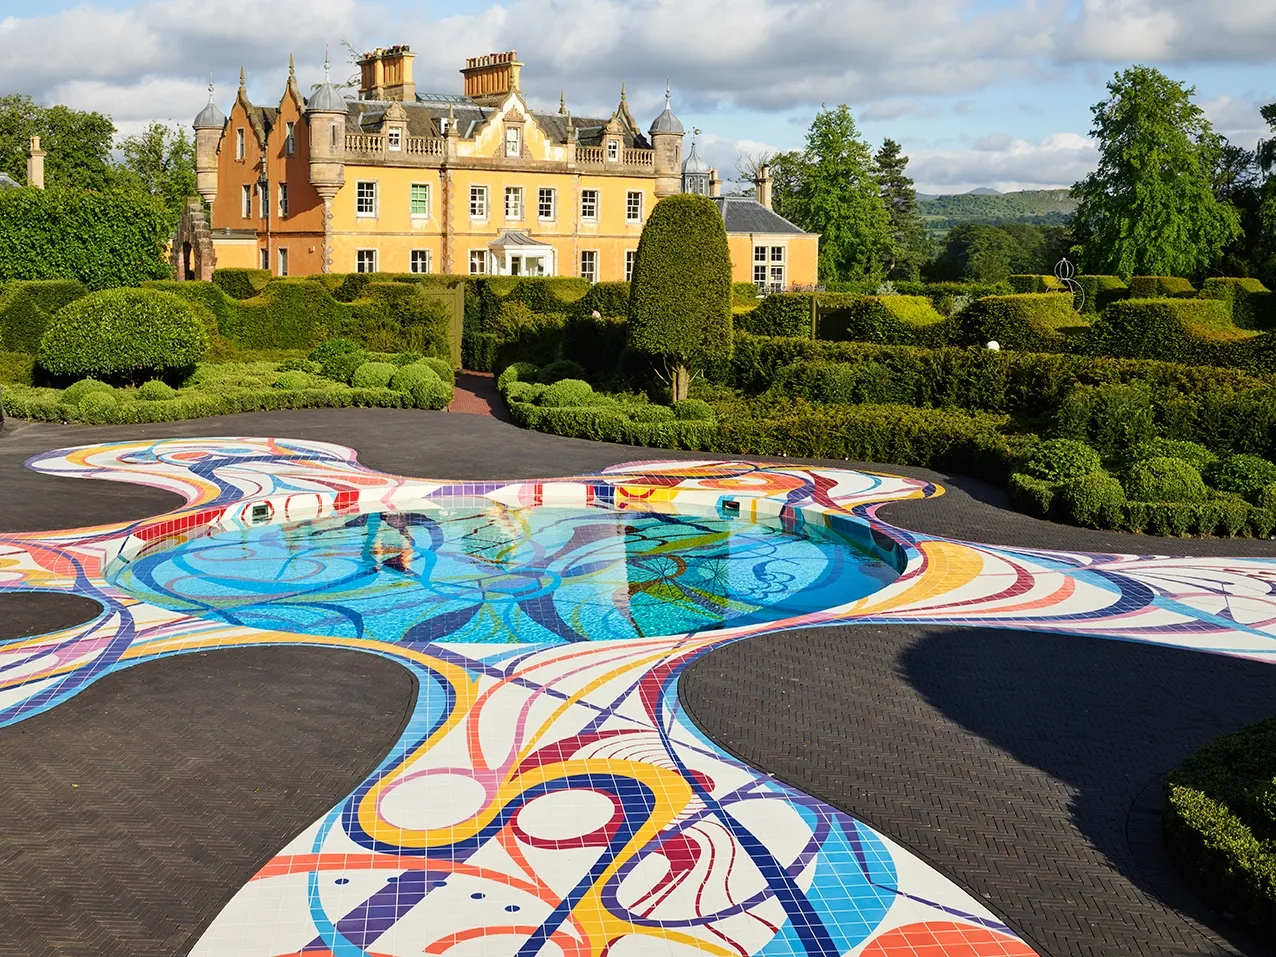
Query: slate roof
[[744, 215], [8, 182]]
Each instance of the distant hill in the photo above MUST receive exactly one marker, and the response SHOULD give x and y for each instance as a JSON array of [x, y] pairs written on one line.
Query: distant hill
[[1042, 207]]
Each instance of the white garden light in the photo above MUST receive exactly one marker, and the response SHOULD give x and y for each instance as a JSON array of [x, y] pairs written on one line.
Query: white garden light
[[994, 346]]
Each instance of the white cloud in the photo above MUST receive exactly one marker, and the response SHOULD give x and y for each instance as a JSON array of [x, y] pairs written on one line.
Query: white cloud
[[1172, 31], [1057, 160]]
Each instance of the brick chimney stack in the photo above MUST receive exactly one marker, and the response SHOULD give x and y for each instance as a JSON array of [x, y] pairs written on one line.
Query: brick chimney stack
[[762, 185]]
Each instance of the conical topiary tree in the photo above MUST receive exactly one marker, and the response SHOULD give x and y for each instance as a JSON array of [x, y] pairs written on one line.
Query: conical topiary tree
[[680, 291]]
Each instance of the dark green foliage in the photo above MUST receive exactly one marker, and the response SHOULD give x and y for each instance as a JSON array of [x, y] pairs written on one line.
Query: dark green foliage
[[341, 366], [1218, 824], [780, 314], [840, 382], [652, 413], [1101, 291], [102, 240], [550, 293], [893, 320], [1160, 287], [1165, 480], [287, 314], [294, 379], [1266, 497], [680, 294], [241, 283], [1195, 454], [1033, 496], [123, 334], [75, 393], [394, 315], [1251, 301], [608, 299], [16, 367], [1111, 417], [742, 294], [560, 369], [220, 307], [1094, 500], [421, 387], [1058, 460], [373, 375], [441, 368], [1034, 283], [595, 344], [516, 372], [26, 307], [98, 405], [693, 410], [333, 347], [567, 393], [910, 246], [1032, 322], [1244, 475], [153, 390], [1192, 331]]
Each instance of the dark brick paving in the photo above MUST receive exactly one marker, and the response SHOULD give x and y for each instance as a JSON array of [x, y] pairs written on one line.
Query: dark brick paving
[[1027, 767], [27, 613], [135, 811]]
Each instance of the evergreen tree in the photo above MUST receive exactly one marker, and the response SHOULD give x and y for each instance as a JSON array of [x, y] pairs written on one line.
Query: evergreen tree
[[910, 246], [1150, 207], [680, 292], [835, 193]]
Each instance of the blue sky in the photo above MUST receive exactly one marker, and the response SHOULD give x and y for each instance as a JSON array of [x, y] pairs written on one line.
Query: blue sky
[[979, 92]]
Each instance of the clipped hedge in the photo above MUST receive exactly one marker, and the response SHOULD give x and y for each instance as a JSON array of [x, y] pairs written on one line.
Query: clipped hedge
[[1112, 417], [27, 307], [1250, 301], [1101, 291], [124, 334], [892, 320], [1192, 331], [241, 283], [1160, 287], [608, 299], [780, 314], [1165, 480], [1027, 283], [1219, 825], [1031, 322]]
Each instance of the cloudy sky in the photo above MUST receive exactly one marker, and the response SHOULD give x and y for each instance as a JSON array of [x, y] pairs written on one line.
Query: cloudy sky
[[979, 92]]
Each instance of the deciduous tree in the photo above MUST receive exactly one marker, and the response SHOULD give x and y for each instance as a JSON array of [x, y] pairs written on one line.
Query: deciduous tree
[[1150, 207]]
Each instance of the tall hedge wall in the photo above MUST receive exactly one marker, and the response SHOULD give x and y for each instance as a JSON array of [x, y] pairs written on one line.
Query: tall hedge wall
[[1250, 301], [1160, 287], [27, 307], [1193, 331], [894, 320], [102, 240], [1036, 322], [780, 314]]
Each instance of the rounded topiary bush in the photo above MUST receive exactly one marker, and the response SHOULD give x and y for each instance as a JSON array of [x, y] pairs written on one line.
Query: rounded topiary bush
[[560, 369], [422, 386], [155, 390], [517, 372], [1245, 475], [75, 393], [297, 365], [524, 391], [123, 334], [1094, 500], [1165, 480], [98, 406], [1195, 454], [342, 366], [651, 413], [567, 393], [693, 410], [441, 367], [1058, 460], [373, 375], [292, 380], [333, 347]]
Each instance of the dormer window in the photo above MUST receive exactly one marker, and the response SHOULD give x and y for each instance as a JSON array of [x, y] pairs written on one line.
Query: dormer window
[[443, 126], [513, 141], [394, 138], [613, 151]]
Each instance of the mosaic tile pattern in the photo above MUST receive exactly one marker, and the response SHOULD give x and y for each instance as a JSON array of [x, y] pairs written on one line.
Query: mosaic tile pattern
[[552, 798]]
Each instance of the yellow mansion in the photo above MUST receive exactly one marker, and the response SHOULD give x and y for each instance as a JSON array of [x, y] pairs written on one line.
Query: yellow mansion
[[400, 181]]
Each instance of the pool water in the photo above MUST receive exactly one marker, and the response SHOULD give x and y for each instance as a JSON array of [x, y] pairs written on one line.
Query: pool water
[[473, 570]]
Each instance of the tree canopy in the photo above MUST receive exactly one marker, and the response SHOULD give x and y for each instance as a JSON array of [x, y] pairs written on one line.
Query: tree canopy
[[910, 246], [1150, 208], [159, 161], [680, 292], [78, 142]]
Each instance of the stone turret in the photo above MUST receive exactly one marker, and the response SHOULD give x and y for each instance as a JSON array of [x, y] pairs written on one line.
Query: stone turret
[[666, 139], [696, 174], [209, 126], [326, 115]]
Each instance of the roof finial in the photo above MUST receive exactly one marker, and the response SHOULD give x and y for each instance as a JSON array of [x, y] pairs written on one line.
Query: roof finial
[[210, 86], [667, 93], [562, 102], [325, 63], [241, 77], [622, 91], [292, 67]]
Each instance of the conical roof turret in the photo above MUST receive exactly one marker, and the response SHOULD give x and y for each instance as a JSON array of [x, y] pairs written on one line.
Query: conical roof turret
[[210, 117], [666, 122], [326, 99]]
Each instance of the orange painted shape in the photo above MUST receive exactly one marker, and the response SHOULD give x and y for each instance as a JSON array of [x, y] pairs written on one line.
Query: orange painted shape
[[946, 939]]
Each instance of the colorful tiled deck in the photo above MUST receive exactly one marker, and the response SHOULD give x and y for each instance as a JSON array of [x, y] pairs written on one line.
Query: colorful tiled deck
[[548, 799]]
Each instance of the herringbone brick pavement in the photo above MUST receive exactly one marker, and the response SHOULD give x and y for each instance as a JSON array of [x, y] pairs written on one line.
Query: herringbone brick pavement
[[1025, 766], [133, 812]]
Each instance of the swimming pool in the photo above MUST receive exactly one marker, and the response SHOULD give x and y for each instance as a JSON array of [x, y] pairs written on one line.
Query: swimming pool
[[473, 570]]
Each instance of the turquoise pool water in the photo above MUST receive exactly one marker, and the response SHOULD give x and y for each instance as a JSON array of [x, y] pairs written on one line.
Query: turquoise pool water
[[472, 570]]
